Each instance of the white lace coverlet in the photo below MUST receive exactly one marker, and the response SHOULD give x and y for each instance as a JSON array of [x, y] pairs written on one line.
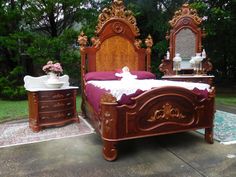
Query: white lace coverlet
[[119, 87]]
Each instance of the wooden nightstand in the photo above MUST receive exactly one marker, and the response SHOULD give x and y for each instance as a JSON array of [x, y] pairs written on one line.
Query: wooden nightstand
[[50, 107]]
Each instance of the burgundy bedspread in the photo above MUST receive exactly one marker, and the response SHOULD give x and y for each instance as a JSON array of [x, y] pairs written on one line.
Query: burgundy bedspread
[[94, 95]]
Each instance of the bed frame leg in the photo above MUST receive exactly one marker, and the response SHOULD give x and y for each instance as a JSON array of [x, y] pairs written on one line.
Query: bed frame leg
[[109, 150], [83, 110], [209, 135]]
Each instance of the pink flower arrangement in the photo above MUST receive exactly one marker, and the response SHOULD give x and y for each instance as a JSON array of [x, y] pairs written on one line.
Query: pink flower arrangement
[[53, 67]]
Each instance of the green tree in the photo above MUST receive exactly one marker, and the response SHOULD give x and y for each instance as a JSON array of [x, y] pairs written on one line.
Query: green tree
[[33, 32], [56, 25], [220, 25], [11, 66]]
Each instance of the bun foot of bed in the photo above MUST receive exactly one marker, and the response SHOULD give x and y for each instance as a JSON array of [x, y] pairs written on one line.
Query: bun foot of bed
[[209, 135], [109, 150]]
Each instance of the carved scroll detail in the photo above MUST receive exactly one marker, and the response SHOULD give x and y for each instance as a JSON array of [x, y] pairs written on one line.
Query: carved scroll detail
[[186, 11], [117, 10], [165, 67], [207, 65], [118, 27], [35, 98], [108, 121], [108, 98], [58, 96], [55, 116], [82, 40], [212, 92], [167, 112], [137, 43], [149, 41], [96, 42]]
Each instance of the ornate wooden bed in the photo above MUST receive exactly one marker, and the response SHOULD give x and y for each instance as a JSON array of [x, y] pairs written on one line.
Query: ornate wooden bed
[[158, 111]]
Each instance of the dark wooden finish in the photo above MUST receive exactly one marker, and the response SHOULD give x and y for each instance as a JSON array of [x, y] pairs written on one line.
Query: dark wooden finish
[[186, 18], [52, 108], [156, 112], [189, 78]]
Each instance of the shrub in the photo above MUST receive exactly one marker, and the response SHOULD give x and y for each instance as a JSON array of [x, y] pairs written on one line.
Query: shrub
[[15, 93]]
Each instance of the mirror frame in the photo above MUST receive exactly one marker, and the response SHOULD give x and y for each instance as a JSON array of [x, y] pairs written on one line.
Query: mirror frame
[[184, 18], [185, 44]]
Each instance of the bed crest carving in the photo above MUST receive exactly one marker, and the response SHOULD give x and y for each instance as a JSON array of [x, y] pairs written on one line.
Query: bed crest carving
[[185, 10], [166, 113], [117, 10]]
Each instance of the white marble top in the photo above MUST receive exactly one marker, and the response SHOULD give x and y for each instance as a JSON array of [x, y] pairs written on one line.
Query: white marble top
[[34, 84], [188, 76], [50, 89]]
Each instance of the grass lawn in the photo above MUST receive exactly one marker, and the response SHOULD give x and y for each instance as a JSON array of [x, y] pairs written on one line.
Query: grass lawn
[[10, 110], [226, 99], [13, 110]]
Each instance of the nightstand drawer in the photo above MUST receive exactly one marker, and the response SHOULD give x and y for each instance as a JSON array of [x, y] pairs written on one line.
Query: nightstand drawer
[[56, 95], [57, 115], [56, 105], [52, 108]]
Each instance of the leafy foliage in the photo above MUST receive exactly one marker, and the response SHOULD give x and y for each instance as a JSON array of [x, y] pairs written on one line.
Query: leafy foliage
[[32, 32]]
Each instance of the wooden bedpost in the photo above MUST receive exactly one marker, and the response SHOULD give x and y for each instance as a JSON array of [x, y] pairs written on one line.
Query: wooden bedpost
[[149, 44], [109, 126], [82, 40], [209, 132]]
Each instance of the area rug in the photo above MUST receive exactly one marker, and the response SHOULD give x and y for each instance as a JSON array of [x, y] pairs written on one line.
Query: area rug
[[225, 127], [18, 132]]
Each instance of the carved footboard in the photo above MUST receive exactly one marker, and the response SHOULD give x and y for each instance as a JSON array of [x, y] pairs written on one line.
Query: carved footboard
[[158, 111]]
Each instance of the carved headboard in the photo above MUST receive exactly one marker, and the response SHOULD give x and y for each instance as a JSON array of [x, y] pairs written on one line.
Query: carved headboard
[[185, 38], [115, 44]]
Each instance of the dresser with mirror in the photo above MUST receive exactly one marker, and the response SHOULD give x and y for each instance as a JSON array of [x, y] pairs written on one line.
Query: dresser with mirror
[[186, 59]]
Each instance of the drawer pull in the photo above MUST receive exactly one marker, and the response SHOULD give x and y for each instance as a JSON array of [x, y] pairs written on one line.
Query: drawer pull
[[68, 114], [43, 107], [68, 94], [68, 104]]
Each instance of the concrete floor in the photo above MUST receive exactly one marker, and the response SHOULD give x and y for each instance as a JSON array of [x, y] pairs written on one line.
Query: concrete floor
[[177, 155], [230, 109]]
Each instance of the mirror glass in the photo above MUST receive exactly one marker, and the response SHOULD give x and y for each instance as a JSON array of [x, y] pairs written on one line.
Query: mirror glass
[[186, 46]]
